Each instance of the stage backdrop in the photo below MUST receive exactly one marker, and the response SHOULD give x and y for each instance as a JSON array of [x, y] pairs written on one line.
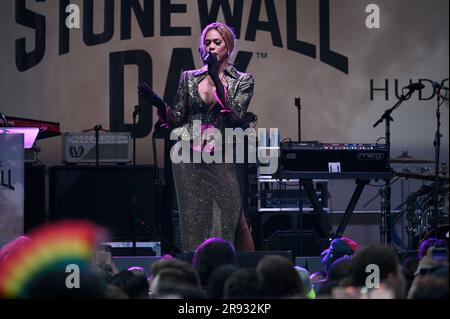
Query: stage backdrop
[[347, 60]]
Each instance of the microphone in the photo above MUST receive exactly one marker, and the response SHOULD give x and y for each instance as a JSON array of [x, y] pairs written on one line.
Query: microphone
[[205, 58], [438, 86], [136, 111], [415, 86], [209, 58]]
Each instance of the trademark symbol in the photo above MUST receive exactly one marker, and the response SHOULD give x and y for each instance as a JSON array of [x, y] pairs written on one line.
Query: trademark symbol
[[261, 55]]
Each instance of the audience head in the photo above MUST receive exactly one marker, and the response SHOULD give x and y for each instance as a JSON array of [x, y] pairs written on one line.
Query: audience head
[[385, 258], [165, 263], [382, 256], [174, 278], [210, 255], [244, 284], [217, 281], [280, 279], [134, 283], [52, 284], [429, 287], [340, 269], [338, 273], [431, 242], [176, 283], [306, 281]]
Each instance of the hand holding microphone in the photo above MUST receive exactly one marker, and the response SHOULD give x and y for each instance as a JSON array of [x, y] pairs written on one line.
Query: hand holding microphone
[[210, 59]]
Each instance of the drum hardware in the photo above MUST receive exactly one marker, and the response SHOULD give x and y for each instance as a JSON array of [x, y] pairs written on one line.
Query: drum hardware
[[420, 212]]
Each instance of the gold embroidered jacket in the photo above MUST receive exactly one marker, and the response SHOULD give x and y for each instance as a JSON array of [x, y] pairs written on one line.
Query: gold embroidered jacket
[[188, 105]]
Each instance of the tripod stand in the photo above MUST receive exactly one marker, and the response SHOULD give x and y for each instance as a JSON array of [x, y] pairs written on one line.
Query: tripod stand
[[135, 221], [299, 108], [386, 224], [437, 146], [96, 129], [159, 189], [133, 195]]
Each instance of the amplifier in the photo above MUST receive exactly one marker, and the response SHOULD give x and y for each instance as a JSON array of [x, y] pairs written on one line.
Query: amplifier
[[334, 157], [113, 147], [289, 198]]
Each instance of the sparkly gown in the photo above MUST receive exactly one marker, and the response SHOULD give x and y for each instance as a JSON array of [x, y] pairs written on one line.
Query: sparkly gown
[[208, 194]]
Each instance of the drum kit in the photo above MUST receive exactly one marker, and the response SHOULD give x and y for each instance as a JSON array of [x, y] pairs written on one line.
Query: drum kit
[[420, 205]]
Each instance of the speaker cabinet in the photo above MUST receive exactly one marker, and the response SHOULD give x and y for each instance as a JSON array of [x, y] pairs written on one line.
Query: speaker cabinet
[[119, 198], [34, 193], [301, 243], [300, 234]]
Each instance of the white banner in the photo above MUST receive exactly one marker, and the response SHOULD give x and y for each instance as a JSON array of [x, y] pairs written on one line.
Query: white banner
[[11, 186]]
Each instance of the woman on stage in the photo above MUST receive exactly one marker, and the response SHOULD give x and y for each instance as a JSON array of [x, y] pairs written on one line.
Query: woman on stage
[[217, 95]]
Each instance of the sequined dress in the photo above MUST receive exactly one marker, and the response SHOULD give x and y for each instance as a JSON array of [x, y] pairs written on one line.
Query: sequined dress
[[208, 194]]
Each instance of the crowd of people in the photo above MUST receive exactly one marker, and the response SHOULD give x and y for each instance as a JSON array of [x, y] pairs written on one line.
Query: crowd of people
[[349, 271]]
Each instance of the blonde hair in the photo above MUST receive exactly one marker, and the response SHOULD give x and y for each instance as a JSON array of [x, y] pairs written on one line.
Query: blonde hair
[[226, 33]]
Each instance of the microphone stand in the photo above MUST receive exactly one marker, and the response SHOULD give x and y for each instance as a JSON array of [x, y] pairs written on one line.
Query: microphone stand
[[135, 114], [437, 146], [133, 196], [96, 129], [378, 194], [385, 227], [159, 186], [300, 204], [155, 230], [299, 107]]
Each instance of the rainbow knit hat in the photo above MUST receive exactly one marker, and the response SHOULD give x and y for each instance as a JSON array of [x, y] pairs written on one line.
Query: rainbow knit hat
[[53, 245], [339, 247]]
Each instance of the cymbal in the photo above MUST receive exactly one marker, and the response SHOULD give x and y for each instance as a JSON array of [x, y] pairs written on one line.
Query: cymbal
[[409, 160], [422, 176]]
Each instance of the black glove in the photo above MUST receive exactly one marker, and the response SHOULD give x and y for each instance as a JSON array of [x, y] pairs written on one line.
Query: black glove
[[213, 66], [150, 96], [213, 72]]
